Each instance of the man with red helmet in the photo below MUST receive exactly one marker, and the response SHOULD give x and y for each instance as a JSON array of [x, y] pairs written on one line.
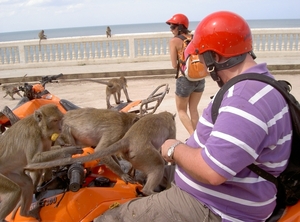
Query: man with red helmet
[[188, 93], [213, 181]]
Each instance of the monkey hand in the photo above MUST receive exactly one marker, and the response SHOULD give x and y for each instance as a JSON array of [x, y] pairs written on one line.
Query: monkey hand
[[35, 212], [127, 178]]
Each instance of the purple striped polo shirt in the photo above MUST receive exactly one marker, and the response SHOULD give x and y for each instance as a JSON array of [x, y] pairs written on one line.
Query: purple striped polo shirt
[[253, 126]]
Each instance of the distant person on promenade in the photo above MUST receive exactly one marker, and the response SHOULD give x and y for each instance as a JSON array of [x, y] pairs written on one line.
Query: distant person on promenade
[[212, 179], [188, 93], [108, 32]]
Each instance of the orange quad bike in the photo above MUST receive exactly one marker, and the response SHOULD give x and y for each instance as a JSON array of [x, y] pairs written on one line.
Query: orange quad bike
[[36, 95], [79, 192]]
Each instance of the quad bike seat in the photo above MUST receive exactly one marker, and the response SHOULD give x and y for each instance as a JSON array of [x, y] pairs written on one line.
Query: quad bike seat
[[68, 105]]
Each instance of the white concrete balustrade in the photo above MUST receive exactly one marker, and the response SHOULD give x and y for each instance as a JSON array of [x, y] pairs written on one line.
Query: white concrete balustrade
[[124, 48]]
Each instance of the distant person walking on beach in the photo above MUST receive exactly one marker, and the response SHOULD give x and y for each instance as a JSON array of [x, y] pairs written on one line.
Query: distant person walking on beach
[[108, 32], [188, 93]]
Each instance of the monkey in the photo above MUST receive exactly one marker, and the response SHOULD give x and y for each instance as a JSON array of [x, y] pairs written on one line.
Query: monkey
[[114, 87], [97, 128], [41, 36], [108, 32], [140, 146], [27, 141], [11, 90]]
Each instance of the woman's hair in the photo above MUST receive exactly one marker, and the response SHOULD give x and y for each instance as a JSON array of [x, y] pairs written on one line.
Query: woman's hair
[[183, 30]]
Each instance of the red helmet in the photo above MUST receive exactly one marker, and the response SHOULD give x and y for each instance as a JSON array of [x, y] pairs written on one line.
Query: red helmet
[[179, 19], [223, 32]]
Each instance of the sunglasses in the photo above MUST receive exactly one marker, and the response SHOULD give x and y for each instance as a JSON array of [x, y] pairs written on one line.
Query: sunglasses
[[172, 27]]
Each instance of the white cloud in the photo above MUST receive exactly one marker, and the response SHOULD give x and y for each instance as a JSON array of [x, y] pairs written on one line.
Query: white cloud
[[37, 2]]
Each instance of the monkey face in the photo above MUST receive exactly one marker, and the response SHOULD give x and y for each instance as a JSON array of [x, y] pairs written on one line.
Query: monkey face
[[50, 116]]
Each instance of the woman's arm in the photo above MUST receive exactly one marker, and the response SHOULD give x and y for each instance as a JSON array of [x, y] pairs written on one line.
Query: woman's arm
[[174, 45]]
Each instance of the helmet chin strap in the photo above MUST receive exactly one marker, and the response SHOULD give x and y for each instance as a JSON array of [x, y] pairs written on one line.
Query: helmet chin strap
[[213, 66]]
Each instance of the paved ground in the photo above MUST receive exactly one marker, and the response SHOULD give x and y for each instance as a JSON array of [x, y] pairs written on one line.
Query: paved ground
[[90, 94], [145, 69], [142, 77]]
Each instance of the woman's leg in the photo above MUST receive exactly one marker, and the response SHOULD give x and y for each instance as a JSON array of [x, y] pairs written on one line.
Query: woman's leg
[[182, 106], [194, 100]]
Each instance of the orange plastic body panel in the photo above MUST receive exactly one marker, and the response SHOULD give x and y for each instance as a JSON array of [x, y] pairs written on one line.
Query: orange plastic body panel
[[130, 106], [291, 214], [87, 151], [29, 107], [38, 88], [85, 204]]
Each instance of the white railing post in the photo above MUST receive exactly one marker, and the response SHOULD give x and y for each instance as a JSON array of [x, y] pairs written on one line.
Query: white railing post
[[132, 48]]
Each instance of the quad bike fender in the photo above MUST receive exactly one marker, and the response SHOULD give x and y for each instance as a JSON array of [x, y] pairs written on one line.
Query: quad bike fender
[[291, 213], [28, 108], [32, 105], [84, 205]]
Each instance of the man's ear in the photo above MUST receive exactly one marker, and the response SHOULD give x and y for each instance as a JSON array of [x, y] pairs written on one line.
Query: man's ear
[[216, 57]]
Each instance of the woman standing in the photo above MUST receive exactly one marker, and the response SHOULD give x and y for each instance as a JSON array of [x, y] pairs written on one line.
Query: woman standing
[[188, 93]]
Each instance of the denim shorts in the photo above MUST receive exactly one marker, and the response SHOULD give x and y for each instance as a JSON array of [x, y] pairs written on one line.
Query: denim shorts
[[184, 87]]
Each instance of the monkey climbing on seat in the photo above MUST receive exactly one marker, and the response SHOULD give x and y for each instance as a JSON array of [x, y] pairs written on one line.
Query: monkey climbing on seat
[[140, 146]]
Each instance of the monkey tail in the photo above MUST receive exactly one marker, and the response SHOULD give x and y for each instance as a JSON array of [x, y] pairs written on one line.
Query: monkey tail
[[22, 79], [49, 164], [98, 81], [69, 160], [40, 45]]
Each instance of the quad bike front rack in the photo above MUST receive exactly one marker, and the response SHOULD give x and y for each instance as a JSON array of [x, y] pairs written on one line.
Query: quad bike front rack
[[148, 105]]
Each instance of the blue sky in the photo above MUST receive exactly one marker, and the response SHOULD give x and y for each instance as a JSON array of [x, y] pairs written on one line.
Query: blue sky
[[23, 15]]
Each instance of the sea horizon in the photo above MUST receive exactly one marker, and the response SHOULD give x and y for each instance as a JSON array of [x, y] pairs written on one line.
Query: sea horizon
[[132, 28]]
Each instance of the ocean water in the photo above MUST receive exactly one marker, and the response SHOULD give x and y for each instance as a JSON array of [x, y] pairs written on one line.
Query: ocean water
[[131, 28]]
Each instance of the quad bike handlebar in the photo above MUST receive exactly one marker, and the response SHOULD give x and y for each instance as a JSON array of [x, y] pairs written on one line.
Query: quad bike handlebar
[[47, 79], [33, 91]]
